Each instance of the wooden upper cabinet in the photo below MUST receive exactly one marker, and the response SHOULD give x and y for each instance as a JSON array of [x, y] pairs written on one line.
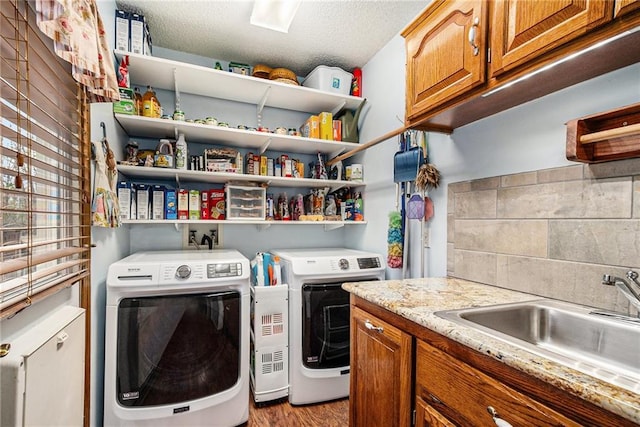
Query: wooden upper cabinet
[[522, 30], [381, 373], [623, 7], [442, 62]]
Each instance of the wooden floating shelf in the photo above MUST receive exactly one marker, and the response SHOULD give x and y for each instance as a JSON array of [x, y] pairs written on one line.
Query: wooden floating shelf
[[611, 135]]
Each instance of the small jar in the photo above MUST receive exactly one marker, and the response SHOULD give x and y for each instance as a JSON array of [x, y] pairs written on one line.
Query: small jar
[[263, 129], [178, 115], [242, 127], [199, 121], [223, 124], [211, 121], [292, 132], [281, 131]]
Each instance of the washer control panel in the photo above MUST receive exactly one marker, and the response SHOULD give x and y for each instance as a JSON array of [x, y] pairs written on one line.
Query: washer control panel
[[215, 271], [183, 272]]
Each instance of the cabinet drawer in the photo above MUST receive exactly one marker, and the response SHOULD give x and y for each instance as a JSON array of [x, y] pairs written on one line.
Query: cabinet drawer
[[464, 394]]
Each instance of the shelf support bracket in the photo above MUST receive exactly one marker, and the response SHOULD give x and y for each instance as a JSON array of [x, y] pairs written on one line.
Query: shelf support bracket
[[336, 153], [175, 86], [177, 226], [262, 227], [329, 227], [338, 107], [265, 145], [177, 181], [261, 104]]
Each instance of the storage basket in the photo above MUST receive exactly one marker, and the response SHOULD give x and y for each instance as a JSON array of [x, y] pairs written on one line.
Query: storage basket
[[283, 75], [329, 79]]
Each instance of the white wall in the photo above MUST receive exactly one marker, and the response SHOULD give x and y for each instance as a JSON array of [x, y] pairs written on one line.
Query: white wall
[[529, 137]]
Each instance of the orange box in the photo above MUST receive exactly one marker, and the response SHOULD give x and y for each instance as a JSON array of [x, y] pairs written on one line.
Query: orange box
[[326, 126], [311, 128], [337, 130]]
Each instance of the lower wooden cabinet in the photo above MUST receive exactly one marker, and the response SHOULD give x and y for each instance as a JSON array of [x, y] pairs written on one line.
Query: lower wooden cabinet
[[403, 374], [467, 396], [426, 416], [381, 358]]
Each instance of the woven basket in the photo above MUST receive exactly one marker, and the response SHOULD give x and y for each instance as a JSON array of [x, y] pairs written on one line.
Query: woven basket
[[283, 75], [261, 71]]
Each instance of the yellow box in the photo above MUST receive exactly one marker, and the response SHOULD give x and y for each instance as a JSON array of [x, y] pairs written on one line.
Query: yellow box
[[311, 128], [326, 126], [263, 165]]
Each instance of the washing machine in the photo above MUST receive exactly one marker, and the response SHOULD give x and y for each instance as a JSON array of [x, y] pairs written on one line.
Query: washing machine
[[177, 339], [319, 317]]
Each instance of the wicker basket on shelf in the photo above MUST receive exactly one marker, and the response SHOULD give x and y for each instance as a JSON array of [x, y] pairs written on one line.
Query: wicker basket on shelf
[[261, 71], [283, 75]]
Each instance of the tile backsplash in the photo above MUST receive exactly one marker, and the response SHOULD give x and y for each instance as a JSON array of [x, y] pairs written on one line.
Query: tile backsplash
[[552, 232]]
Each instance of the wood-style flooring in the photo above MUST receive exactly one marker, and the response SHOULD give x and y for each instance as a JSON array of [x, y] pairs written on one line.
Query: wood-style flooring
[[328, 414]]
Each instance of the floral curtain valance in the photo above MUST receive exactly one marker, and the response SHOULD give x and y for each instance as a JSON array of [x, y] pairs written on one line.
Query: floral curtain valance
[[76, 29]]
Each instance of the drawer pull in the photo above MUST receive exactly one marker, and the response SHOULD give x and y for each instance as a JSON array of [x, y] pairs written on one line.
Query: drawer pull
[[370, 326], [496, 418], [434, 399], [472, 36]]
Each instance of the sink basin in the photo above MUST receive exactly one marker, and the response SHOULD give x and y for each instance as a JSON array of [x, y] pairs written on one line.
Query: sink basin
[[598, 343]]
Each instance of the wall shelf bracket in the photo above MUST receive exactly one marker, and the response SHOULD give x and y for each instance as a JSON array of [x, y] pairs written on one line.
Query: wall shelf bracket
[[175, 87], [265, 145], [338, 107], [261, 105], [329, 227]]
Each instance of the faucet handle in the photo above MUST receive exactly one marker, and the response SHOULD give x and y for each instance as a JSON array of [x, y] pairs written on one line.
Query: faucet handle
[[632, 275], [606, 280]]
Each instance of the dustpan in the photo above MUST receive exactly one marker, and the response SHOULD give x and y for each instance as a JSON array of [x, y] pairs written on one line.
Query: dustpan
[[406, 164]]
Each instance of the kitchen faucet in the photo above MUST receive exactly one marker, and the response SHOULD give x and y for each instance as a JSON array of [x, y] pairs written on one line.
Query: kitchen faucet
[[627, 289]]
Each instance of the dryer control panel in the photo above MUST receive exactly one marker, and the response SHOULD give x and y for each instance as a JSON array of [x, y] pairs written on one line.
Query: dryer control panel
[[215, 271]]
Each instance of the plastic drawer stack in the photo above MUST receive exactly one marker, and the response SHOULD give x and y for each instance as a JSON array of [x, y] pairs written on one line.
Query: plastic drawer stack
[[269, 342]]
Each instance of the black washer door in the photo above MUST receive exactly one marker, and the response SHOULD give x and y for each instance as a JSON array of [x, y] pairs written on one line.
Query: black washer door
[[325, 326], [174, 349]]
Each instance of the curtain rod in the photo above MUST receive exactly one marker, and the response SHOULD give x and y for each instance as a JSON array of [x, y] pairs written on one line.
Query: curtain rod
[[367, 145]]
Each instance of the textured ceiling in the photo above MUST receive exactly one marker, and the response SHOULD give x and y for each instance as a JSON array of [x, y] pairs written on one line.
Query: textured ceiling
[[343, 33]]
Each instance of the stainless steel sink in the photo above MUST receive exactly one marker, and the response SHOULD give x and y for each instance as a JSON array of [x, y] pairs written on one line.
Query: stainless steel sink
[[598, 343]]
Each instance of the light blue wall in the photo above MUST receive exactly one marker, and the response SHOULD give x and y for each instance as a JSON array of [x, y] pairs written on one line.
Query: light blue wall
[[529, 137]]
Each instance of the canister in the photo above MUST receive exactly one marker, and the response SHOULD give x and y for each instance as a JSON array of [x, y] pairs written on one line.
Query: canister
[[178, 115], [356, 172]]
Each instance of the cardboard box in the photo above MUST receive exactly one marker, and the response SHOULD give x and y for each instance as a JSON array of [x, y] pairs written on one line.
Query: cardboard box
[[136, 31], [183, 204], [142, 201], [205, 213], [126, 195], [311, 128], [171, 204], [326, 126], [122, 30], [194, 204], [263, 165], [157, 201], [216, 204], [337, 130], [127, 103]]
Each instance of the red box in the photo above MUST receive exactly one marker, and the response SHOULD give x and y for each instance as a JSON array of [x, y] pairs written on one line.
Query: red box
[[204, 205], [217, 207]]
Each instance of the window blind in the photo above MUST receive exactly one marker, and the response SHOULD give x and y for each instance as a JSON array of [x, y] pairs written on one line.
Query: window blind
[[44, 166]]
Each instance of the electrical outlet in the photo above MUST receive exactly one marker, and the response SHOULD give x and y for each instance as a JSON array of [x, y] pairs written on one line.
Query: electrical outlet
[[200, 230], [425, 238]]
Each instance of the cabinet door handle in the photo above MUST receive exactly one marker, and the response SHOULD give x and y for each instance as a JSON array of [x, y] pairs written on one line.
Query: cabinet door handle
[[472, 36], [370, 326], [496, 418]]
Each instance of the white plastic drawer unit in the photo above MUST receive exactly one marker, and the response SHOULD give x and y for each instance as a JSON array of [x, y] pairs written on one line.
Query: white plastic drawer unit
[[43, 374], [246, 202]]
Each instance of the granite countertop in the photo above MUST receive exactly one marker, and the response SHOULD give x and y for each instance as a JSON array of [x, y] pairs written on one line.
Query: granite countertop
[[418, 299]]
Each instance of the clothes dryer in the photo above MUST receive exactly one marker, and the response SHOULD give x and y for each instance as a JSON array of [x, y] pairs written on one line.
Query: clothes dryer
[[177, 339], [319, 317]]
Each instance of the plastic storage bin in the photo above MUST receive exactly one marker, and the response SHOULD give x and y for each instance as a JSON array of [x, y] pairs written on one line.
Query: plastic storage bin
[[269, 375], [329, 79], [246, 202]]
